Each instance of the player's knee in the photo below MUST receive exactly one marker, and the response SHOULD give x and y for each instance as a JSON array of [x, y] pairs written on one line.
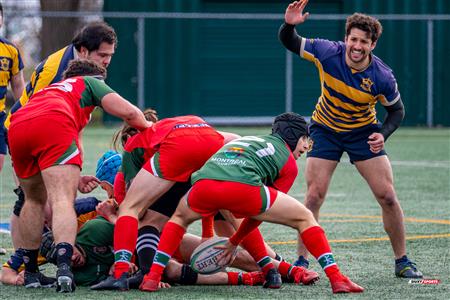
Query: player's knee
[[172, 272], [388, 198], [315, 196]]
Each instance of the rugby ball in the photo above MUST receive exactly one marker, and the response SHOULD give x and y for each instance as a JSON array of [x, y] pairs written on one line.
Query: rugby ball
[[205, 256]]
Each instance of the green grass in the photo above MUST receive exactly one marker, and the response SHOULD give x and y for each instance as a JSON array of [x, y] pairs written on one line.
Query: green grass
[[421, 164]]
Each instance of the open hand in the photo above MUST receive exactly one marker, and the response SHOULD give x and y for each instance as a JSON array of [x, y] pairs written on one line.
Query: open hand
[[228, 255], [294, 12]]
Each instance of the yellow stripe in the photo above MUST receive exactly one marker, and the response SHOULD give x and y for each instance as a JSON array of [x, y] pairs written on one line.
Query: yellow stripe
[[357, 122], [348, 91], [435, 221], [414, 237], [45, 78]]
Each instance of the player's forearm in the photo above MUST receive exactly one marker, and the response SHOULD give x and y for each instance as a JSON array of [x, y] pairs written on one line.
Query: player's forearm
[[17, 85], [247, 226], [289, 38], [394, 118]]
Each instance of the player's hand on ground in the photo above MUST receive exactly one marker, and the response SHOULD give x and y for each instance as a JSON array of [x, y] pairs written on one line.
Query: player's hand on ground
[[163, 285], [229, 251], [87, 183], [376, 142], [294, 12], [9, 276]]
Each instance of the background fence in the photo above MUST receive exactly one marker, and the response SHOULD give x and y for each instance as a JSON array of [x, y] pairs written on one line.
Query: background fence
[[206, 57]]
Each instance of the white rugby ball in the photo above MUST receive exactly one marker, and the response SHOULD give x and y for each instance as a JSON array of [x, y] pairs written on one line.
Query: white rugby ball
[[205, 256]]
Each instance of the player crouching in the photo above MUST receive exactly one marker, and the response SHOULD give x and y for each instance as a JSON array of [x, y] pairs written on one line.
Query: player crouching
[[250, 177]]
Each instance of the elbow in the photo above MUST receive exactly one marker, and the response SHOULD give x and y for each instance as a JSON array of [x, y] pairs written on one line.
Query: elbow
[[130, 115]]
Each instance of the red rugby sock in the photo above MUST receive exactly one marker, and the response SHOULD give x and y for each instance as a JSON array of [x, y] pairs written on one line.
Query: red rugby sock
[[317, 244], [254, 244], [168, 243], [125, 236]]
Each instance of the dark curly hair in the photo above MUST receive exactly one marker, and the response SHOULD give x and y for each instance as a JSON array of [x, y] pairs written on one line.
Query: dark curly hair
[[121, 136], [84, 67], [93, 34], [366, 23]]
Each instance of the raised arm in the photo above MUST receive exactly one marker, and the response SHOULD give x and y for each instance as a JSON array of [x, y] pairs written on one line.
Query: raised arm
[[293, 16]]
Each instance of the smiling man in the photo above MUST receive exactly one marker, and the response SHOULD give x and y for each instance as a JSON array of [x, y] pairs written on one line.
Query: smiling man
[[353, 80]]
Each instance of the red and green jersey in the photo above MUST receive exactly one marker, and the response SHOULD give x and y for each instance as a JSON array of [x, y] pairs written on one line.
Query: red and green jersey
[[142, 146], [137, 151], [74, 98], [254, 160]]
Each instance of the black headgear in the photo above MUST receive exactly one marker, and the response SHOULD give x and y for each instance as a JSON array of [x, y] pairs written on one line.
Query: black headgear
[[291, 127]]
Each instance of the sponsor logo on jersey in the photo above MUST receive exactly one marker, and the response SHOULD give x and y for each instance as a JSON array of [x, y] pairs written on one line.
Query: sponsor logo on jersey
[[234, 152]]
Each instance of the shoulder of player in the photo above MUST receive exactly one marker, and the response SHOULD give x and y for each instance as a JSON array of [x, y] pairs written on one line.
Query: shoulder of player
[[136, 141], [380, 66], [11, 46]]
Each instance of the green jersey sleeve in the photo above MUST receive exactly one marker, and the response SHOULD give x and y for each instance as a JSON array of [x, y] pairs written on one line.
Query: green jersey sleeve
[[94, 92], [132, 163]]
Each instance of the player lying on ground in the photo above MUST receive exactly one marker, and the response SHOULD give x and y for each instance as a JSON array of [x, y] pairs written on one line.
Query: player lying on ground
[[254, 171]]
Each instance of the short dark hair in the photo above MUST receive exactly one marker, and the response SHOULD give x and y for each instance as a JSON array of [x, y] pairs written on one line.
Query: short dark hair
[[84, 67], [93, 34], [366, 23], [1, 9]]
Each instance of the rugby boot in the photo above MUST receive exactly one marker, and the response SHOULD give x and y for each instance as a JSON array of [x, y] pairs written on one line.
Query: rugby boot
[[64, 279], [113, 284], [150, 282], [304, 276], [135, 280], [302, 262], [342, 284], [38, 280], [273, 279], [404, 268]]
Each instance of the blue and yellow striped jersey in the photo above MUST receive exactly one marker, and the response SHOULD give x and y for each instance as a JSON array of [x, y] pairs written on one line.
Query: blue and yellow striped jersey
[[10, 64], [48, 71], [348, 96]]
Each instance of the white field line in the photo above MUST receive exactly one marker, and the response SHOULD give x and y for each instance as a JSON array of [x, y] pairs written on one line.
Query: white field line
[[414, 163]]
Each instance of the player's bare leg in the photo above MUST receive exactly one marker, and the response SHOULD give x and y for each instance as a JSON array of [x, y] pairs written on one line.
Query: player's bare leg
[[378, 174], [184, 274], [170, 240], [144, 191], [62, 182], [288, 211], [318, 173], [31, 223]]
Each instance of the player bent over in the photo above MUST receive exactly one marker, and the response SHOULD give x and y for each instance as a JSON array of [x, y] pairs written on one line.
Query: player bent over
[[45, 144], [252, 171]]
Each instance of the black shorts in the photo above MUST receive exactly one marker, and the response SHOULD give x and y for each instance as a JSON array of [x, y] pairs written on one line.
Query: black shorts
[[167, 204]]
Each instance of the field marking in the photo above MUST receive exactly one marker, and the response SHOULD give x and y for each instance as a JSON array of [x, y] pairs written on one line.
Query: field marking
[[415, 163], [416, 220], [365, 218], [414, 237]]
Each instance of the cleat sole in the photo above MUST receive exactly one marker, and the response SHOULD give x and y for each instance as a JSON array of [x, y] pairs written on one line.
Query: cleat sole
[[64, 284]]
